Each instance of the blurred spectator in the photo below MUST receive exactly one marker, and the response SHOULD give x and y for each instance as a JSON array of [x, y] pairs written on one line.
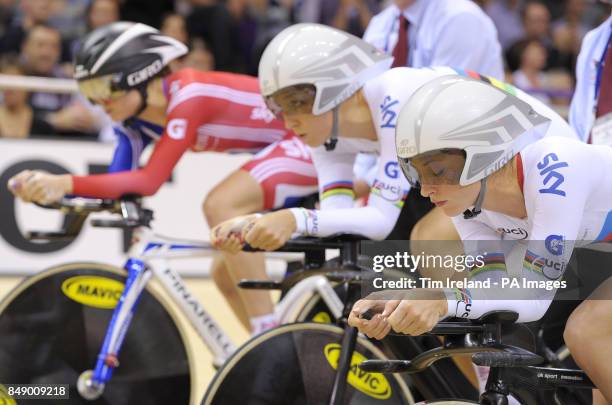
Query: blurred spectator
[[591, 106], [348, 15], [570, 29], [270, 18], [199, 56], [536, 25], [530, 75], [17, 119], [67, 18], [211, 21], [97, 14], [454, 33], [40, 57], [536, 21], [148, 12], [34, 12], [355, 15], [7, 11], [483, 3], [101, 12], [175, 26], [507, 18]]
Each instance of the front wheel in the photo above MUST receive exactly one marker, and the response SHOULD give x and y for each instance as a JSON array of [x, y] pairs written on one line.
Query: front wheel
[[295, 364], [448, 402], [52, 326]]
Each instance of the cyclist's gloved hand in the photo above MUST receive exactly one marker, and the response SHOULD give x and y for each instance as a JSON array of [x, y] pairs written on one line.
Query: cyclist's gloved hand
[[377, 327], [270, 231], [227, 236], [40, 187], [411, 312], [417, 312]]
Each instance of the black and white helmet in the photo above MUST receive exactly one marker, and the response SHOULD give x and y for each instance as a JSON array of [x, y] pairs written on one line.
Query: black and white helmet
[[122, 56]]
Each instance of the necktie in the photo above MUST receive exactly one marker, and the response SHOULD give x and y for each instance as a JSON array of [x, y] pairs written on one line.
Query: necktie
[[604, 101], [400, 52]]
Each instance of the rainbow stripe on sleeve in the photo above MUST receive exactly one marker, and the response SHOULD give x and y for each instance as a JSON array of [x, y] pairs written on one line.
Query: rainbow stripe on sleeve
[[343, 187], [494, 82], [534, 262], [492, 261], [463, 295]]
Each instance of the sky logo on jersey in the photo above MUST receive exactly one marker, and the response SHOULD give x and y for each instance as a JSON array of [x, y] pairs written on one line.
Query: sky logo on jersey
[[388, 114], [262, 113], [295, 149], [552, 178], [392, 169], [554, 244], [374, 385], [176, 128]]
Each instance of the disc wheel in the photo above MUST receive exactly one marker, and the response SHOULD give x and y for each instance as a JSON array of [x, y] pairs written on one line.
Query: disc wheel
[[53, 324], [295, 364]]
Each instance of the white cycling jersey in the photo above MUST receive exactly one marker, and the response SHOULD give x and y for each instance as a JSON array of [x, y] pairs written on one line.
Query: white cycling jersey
[[567, 187], [386, 95]]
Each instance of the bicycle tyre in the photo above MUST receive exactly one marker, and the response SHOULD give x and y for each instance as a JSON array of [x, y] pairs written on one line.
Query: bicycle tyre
[[435, 382], [448, 402], [48, 337], [292, 364]]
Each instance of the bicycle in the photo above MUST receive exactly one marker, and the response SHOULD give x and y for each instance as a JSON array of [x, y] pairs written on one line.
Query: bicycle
[[513, 370], [317, 363], [58, 323]]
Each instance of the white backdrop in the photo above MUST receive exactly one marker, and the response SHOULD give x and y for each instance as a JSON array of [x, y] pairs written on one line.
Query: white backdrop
[[177, 205]]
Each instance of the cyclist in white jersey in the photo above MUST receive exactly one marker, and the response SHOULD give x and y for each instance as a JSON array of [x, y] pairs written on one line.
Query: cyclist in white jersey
[[478, 153], [330, 89]]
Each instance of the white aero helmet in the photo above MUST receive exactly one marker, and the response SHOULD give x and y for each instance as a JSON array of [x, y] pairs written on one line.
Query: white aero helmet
[[482, 125], [335, 62]]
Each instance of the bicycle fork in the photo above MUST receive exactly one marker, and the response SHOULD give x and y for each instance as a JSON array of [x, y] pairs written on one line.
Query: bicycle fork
[[91, 383], [349, 340]]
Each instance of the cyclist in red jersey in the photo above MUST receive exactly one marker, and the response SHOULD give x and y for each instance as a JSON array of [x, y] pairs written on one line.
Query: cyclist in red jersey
[[123, 67]]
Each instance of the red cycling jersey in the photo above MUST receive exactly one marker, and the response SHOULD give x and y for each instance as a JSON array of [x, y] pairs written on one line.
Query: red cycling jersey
[[207, 111]]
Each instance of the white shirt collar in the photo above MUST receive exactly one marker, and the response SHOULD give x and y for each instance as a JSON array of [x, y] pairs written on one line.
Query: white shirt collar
[[413, 12]]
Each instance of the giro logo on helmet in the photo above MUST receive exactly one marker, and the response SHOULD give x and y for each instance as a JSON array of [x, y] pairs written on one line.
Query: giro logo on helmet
[[498, 164], [145, 73]]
